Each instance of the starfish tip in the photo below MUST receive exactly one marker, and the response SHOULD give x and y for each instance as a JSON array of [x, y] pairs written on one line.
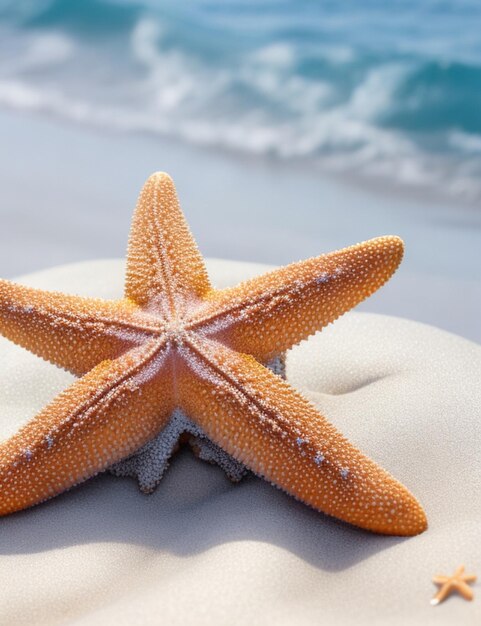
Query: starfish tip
[[160, 177], [397, 243], [416, 521], [394, 246]]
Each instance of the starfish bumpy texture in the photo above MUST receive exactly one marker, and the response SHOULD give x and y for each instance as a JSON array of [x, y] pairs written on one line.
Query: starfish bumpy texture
[[175, 356]]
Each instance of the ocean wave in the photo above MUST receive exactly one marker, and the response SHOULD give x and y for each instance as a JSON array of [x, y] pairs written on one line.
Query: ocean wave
[[283, 88], [469, 143]]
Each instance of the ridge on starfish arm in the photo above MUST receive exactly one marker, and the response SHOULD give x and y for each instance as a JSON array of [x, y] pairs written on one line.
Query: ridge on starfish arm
[[176, 355]]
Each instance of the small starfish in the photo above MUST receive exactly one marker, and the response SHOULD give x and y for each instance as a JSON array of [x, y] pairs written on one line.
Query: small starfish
[[457, 582], [175, 355]]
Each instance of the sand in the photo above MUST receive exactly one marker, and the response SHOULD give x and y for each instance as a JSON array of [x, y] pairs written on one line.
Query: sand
[[203, 551]]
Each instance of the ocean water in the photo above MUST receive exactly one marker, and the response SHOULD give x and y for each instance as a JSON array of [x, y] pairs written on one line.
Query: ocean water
[[387, 91]]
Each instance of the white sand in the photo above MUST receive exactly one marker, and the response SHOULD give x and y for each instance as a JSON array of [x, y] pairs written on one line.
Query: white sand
[[67, 194], [203, 551]]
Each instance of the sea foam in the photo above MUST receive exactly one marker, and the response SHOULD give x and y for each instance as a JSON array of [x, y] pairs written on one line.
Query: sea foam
[[347, 88]]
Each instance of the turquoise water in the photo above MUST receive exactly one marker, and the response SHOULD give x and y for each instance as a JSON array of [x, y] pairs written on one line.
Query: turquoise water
[[389, 91]]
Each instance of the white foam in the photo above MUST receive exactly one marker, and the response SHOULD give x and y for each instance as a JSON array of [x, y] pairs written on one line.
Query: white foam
[[167, 90], [467, 142]]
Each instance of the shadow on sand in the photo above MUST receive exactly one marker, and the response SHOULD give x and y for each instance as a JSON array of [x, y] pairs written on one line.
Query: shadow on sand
[[194, 509]]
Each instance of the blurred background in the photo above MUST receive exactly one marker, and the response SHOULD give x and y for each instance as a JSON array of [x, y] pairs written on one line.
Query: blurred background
[[291, 127]]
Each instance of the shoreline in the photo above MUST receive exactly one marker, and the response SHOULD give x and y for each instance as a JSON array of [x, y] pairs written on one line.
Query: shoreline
[[408, 193], [68, 194]]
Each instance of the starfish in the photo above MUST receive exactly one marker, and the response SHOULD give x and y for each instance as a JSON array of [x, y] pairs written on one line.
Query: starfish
[[457, 582], [175, 355]]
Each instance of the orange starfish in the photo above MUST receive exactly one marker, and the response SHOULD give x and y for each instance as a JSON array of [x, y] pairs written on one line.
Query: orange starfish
[[457, 582], [175, 346]]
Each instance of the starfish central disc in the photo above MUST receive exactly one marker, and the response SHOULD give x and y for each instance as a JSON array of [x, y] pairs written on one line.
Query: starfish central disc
[[175, 332], [175, 355]]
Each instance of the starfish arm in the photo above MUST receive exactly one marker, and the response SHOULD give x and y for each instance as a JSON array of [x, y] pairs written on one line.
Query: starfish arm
[[463, 589], [469, 578], [267, 315], [440, 580], [69, 331], [442, 594], [165, 270], [262, 422], [103, 417]]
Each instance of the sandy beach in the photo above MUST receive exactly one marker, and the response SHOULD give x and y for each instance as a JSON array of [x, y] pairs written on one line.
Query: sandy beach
[[201, 550], [68, 194]]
